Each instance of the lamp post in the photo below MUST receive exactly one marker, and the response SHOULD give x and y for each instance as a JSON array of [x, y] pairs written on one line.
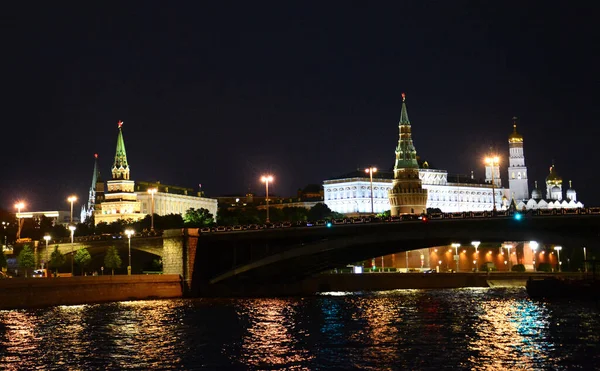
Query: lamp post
[[370, 171], [19, 206], [129, 233], [72, 199], [508, 246], [558, 248], [584, 260], [534, 245], [493, 161], [5, 224], [267, 179], [152, 191], [476, 245], [456, 246], [47, 238], [72, 229]]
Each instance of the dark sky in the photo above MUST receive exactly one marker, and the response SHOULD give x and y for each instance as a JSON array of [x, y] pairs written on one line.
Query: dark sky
[[220, 93]]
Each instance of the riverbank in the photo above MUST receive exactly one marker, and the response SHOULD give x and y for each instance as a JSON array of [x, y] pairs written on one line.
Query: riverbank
[[25, 293], [374, 282]]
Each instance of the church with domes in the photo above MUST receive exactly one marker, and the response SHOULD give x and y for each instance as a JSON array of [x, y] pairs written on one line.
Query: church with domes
[[518, 182]]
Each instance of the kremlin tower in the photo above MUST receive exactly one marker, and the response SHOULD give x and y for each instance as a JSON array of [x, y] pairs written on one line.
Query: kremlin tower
[[517, 171], [120, 200], [407, 195], [95, 196]]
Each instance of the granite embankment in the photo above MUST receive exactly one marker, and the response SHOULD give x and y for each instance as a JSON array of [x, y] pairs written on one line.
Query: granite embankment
[[24, 293]]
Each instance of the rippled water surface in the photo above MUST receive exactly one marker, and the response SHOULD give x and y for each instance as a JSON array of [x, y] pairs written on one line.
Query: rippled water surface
[[474, 329]]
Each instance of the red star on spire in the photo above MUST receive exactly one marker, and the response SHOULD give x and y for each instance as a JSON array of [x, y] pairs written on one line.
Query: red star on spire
[[120, 124]]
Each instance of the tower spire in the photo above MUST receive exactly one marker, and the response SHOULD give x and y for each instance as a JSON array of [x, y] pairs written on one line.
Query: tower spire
[[407, 195], [120, 169], [406, 154]]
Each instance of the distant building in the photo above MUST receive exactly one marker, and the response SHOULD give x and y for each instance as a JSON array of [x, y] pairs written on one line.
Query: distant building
[[126, 199], [57, 217], [172, 199]]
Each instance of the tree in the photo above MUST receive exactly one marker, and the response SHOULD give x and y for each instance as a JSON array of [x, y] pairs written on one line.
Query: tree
[[384, 215], [3, 262], [82, 258], [112, 259], [518, 268], [26, 259], [57, 259], [319, 212], [197, 218]]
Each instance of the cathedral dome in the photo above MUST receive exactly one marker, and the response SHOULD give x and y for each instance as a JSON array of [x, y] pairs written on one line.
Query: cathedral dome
[[536, 194], [515, 137], [553, 177]]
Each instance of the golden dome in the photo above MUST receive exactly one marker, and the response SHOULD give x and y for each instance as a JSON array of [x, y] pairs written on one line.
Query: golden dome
[[553, 177], [515, 137]]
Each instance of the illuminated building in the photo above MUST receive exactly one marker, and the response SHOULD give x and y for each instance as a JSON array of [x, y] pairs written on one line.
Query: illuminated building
[[407, 195], [517, 171], [128, 200], [411, 182], [95, 194], [170, 199], [412, 187], [120, 200], [58, 217]]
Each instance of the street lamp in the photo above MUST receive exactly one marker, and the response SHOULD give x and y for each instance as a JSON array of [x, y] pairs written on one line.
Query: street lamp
[[47, 238], [558, 248], [456, 246], [508, 247], [584, 259], [152, 191], [5, 224], [72, 199], [129, 232], [267, 179], [476, 245], [19, 205], [534, 245], [370, 171], [493, 161], [72, 229]]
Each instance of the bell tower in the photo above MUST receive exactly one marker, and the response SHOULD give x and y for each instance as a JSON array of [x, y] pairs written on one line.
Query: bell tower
[[407, 195], [517, 171]]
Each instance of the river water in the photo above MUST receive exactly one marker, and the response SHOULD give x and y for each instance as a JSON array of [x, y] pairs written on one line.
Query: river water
[[464, 329]]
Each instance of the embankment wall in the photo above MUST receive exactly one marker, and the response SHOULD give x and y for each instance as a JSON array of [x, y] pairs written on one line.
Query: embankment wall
[[24, 293]]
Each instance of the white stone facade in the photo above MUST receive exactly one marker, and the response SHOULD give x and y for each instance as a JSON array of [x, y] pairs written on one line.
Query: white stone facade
[[171, 203], [353, 195]]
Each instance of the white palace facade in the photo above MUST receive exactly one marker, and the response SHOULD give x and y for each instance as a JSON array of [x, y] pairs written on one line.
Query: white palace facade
[[351, 194]]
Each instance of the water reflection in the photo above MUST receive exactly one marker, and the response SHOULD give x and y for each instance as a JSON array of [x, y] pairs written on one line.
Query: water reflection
[[18, 334], [272, 337], [472, 329]]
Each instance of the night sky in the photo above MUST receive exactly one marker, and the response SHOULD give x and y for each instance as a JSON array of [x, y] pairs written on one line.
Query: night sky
[[220, 93]]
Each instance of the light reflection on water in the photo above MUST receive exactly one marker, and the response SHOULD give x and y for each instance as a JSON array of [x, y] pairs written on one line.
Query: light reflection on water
[[474, 329]]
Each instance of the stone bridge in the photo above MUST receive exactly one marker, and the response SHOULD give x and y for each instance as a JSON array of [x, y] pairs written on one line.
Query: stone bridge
[[290, 255]]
